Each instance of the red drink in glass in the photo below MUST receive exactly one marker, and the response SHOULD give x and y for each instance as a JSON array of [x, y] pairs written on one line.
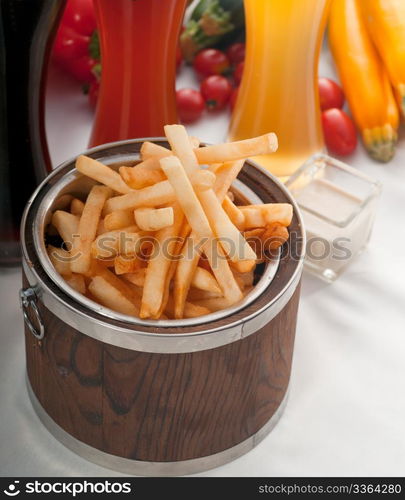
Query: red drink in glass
[[138, 50]]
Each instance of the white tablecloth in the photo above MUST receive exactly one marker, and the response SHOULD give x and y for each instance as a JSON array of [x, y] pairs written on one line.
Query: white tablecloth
[[346, 409]]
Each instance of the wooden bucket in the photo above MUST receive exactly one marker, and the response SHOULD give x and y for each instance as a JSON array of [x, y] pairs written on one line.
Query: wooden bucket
[[157, 398]]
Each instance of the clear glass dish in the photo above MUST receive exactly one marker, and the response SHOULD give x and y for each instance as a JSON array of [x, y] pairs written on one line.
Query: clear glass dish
[[338, 204]]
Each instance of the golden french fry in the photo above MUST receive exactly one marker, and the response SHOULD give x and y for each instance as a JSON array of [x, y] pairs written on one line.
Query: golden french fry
[[124, 264], [231, 151], [109, 245], [60, 259], [244, 279], [161, 193], [180, 143], [215, 303], [153, 219], [274, 237], [225, 174], [233, 212], [186, 266], [76, 206], [202, 179], [186, 196], [101, 173], [159, 266], [101, 229], [88, 224], [222, 272], [67, 226], [263, 215], [136, 277], [150, 150], [194, 295], [243, 266], [190, 310], [204, 280], [138, 177], [111, 297], [119, 219], [76, 281], [232, 241]]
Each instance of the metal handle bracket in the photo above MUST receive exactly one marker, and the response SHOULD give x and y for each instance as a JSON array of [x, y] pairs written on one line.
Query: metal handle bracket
[[28, 301]]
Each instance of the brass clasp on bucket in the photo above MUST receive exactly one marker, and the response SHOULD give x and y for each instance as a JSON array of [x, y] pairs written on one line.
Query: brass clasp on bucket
[[28, 301]]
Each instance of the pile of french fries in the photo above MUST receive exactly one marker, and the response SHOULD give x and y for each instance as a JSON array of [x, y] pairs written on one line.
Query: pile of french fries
[[164, 239]]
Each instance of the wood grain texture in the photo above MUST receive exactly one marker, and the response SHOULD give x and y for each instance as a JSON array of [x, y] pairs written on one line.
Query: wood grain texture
[[161, 407]]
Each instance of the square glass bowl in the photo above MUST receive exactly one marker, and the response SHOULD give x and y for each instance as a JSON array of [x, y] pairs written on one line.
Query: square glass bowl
[[338, 204]]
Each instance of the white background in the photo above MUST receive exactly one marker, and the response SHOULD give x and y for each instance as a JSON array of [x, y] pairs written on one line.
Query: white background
[[346, 410]]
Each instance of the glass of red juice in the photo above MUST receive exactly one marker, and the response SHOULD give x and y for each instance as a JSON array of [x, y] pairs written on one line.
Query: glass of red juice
[[138, 40]]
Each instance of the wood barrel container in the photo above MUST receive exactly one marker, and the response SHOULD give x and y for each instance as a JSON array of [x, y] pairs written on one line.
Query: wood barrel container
[[164, 397]]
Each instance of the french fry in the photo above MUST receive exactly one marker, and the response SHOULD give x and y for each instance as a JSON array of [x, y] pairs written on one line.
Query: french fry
[[159, 266], [244, 279], [231, 196], [232, 151], [76, 206], [202, 179], [76, 281], [263, 215], [150, 150], [153, 219], [139, 177], [194, 295], [204, 280], [159, 194], [232, 241], [185, 270], [190, 310], [274, 237], [110, 244], [119, 219], [127, 264], [222, 271], [233, 212], [89, 220], [111, 297], [136, 277], [225, 174], [180, 143], [101, 227], [186, 196], [101, 173], [67, 226], [60, 259], [215, 303]]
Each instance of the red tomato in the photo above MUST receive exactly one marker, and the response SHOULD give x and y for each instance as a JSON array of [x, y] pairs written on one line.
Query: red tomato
[[93, 93], [236, 53], [82, 68], [238, 73], [234, 96], [210, 62], [330, 94], [79, 15], [179, 57], [216, 91], [69, 45], [339, 131], [190, 105]]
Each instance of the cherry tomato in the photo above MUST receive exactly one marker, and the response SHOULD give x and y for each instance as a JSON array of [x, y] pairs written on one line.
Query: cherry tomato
[[93, 93], [234, 96], [211, 62], [236, 53], [339, 131], [238, 73], [79, 15], [216, 91], [82, 68], [330, 94], [190, 105], [179, 57], [69, 45]]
